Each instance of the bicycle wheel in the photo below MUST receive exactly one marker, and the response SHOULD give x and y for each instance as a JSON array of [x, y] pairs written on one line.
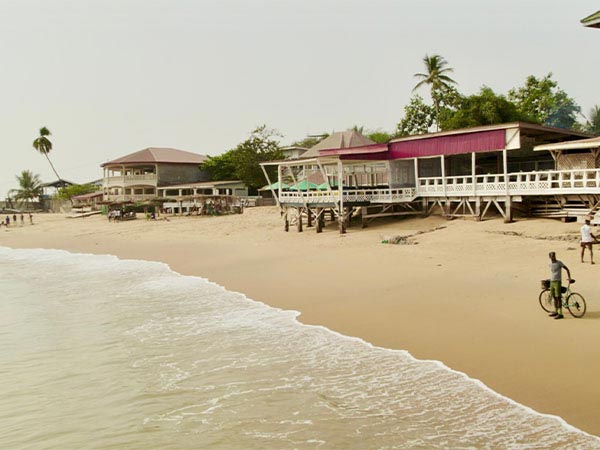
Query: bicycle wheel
[[576, 304], [547, 301]]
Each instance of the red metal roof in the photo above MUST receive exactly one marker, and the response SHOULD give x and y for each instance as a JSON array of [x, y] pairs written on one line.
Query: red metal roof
[[482, 141], [154, 155], [361, 152]]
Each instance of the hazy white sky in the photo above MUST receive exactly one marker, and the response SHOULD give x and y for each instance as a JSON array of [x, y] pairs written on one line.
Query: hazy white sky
[[110, 77]]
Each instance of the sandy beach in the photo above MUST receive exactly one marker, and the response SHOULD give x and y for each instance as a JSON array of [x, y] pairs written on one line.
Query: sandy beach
[[462, 292]]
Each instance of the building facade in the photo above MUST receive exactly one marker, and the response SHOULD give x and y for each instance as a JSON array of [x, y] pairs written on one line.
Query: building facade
[[138, 176]]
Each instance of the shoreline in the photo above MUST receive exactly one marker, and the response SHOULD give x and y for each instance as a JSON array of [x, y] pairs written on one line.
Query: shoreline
[[446, 323], [297, 319]]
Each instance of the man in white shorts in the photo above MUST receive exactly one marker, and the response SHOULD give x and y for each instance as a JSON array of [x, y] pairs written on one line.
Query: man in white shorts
[[587, 239]]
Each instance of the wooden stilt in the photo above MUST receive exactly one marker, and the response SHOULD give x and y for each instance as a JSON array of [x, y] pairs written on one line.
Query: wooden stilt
[[363, 216], [508, 216], [308, 217], [286, 225], [319, 224], [299, 224], [478, 209]]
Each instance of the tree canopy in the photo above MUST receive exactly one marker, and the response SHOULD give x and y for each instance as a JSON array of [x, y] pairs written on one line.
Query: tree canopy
[[544, 102], [30, 187], [243, 161], [44, 146], [592, 124], [418, 117], [483, 108], [68, 192], [436, 76]]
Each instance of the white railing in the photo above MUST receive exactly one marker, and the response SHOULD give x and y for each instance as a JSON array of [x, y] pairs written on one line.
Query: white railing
[[359, 195], [128, 198], [129, 180], [585, 181], [520, 183]]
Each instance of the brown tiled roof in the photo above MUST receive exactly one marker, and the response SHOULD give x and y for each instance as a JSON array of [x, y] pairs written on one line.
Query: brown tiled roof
[[159, 155], [340, 139]]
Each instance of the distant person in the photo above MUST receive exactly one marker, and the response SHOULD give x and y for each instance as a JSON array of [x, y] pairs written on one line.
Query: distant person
[[22, 219], [15, 219], [587, 239], [30, 219], [7, 221], [556, 267]]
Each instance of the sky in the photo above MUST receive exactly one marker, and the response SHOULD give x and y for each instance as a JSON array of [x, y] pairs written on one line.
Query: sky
[[111, 77]]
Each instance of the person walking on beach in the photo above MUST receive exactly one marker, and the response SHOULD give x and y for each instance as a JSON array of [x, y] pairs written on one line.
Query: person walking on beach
[[22, 219], [587, 239], [556, 267], [31, 218], [7, 221]]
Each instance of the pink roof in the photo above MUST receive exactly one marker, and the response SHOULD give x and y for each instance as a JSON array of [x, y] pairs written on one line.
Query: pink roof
[[364, 152], [154, 155], [482, 141]]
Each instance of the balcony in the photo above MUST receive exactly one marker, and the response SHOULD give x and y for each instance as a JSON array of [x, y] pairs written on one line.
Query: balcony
[[129, 198], [149, 179]]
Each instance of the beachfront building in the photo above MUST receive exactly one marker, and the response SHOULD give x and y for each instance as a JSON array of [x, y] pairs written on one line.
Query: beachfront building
[[138, 176], [216, 196], [467, 172], [293, 152]]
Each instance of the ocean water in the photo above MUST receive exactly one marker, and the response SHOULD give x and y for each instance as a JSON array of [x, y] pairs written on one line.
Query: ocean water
[[102, 353]]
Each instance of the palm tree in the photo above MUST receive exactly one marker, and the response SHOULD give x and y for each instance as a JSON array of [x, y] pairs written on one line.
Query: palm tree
[[43, 145], [30, 187], [593, 123], [436, 77]]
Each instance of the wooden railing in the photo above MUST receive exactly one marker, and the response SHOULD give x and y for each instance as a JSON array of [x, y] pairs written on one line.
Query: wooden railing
[[519, 183], [355, 195], [585, 181]]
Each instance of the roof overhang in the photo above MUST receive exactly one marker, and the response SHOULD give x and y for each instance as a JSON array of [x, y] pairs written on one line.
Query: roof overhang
[[581, 144]]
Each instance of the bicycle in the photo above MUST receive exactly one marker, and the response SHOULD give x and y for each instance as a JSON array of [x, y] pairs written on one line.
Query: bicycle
[[573, 301]]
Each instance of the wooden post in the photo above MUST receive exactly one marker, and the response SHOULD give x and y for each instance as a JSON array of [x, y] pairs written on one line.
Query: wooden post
[[443, 174], [478, 209], [341, 214], [319, 225], [299, 224], [286, 225], [308, 217], [473, 173], [363, 216], [508, 217]]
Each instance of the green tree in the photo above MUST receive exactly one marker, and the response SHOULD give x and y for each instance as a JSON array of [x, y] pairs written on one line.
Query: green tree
[[44, 146], [484, 108], [221, 167], [543, 102], [593, 121], [418, 117], [379, 136], [310, 141], [262, 145], [68, 192], [436, 76], [30, 187]]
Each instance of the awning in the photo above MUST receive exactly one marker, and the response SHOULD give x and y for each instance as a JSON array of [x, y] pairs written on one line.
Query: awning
[[304, 186], [274, 186], [579, 144]]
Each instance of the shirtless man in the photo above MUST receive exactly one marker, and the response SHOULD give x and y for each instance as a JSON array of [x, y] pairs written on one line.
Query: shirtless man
[[587, 239]]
